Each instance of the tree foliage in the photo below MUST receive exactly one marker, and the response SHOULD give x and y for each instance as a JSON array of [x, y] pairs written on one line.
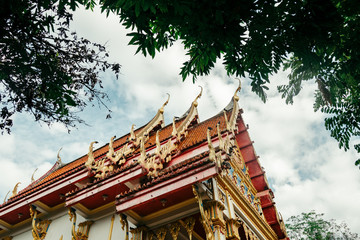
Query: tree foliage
[[312, 226], [45, 69], [315, 39]]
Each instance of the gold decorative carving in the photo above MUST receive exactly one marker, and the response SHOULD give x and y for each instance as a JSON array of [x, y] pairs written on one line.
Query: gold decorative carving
[[39, 228], [61, 238], [32, 176], [204, 216], [161, 233], [214, 209], [138, 233], [118, 157], [212, 155], [221, 140], [124, 225], [132, 133], [111, 226], [154, 163], [82, 233], [182, 129], [151, 235], [15, 190], [174, 131], [189, 224], [164, 152], [174, 230], [101, 168], [232, 226], [91, 159]]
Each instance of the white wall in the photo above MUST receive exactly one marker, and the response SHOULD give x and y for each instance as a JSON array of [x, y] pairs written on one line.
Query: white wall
[[61, 226], [101, 228]]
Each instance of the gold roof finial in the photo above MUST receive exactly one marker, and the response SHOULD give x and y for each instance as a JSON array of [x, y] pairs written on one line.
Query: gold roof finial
[[165, 103], [58, 157], [14, 191], [236, 97], [132, 134], [91, 158], [32, 176], [6, 196], [198, 96]]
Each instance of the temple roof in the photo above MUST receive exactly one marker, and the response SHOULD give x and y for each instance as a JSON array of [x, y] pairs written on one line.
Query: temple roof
[[181, 136]]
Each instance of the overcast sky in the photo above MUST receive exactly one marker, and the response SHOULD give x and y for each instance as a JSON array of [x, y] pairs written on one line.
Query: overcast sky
[[304, 166]]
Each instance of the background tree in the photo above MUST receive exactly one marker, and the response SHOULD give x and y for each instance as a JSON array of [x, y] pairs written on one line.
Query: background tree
[[312, 226], [316, 40], [44, 68]]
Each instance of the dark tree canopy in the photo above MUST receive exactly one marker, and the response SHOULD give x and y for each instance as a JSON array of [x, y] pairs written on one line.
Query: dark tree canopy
[[312, 226], [44, 68], [316, 40]]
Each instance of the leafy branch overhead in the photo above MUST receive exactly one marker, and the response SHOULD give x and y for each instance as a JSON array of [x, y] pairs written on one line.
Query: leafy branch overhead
[[44, 68], [316, 40]]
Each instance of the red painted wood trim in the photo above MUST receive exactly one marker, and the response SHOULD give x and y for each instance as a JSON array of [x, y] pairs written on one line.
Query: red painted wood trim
[[171, 185]]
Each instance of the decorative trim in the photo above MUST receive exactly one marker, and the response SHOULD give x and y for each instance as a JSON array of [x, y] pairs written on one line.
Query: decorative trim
[[82, 233], [188, 224], [232, 229], [124, 225], [208, 227], [161, 233], [174, 229], [138, 233], [39, 228]]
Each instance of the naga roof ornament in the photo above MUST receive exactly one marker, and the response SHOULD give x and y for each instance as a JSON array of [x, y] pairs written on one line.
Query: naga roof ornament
[[230, 123], [59, 162], [144, 132], [91, 159], [32, 176], [15, 190], [192, 114]]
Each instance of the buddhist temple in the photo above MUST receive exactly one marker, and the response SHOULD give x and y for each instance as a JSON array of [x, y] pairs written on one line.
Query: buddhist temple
[[189, 179]]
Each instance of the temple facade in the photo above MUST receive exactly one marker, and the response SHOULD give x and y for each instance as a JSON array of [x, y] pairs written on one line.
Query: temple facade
[[186, 180]]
